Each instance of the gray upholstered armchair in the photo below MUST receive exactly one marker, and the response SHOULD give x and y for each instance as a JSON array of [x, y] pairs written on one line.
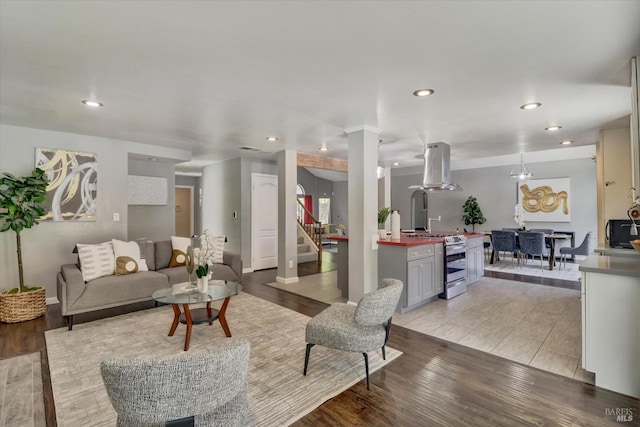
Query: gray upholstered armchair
[[360, 328], [208, 387]]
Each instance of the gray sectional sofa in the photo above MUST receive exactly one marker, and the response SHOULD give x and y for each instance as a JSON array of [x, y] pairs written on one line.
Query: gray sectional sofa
[[76, 296]]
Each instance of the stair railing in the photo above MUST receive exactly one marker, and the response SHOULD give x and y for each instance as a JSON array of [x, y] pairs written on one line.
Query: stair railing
[[313, 229]]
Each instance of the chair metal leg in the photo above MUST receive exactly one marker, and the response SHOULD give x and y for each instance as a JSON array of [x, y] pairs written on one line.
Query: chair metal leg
[[366, 367], [69, 321], [306, 357]]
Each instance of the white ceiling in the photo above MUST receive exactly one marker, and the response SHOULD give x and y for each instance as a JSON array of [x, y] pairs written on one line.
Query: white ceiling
[[215, 76]]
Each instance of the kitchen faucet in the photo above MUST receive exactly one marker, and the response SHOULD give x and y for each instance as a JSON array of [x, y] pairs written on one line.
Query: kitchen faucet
[[429, 223]]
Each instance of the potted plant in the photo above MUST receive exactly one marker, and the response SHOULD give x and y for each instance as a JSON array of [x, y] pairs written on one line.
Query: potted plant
[[21, 207], [383, 214], [472, 213]]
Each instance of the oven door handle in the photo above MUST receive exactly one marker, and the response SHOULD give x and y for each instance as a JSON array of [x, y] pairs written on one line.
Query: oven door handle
[[455, 248], [456, 283]]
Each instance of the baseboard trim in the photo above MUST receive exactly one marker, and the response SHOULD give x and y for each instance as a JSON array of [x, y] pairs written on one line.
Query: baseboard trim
[[247, 270], [287, 280], [52, 300]]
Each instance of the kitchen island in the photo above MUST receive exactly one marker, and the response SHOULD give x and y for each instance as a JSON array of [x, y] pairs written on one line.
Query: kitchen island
[[418, 262], [611, 321]]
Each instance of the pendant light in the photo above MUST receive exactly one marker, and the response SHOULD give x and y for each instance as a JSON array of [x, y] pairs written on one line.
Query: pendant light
[[523, 174]]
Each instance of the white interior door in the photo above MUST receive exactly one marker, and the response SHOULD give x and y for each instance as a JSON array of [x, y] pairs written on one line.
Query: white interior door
[[264, 221]]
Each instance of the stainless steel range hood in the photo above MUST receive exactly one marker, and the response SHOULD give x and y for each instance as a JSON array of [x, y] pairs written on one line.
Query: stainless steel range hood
[[436, 169]]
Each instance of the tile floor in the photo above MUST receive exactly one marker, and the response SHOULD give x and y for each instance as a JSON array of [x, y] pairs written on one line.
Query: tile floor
[[532, 324]]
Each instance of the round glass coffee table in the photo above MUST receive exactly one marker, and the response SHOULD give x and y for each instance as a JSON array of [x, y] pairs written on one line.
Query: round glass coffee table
[[181, 295]]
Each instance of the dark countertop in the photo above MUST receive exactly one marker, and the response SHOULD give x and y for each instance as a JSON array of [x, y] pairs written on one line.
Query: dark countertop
[[406, 240]]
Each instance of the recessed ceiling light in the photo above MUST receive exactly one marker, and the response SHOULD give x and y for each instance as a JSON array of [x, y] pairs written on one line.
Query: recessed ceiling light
[[94, 104], [396, 163], [566, 142], [324, 148], [531, 106], [423, 92], [553, 128], [272, 138]]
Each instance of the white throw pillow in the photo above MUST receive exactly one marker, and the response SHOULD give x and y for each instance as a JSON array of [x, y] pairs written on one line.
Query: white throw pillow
[[218, 248], [96, 260], [127, 257], [179, 247]]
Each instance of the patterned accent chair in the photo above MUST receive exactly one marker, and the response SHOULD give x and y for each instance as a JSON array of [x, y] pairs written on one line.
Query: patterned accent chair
[[532, 243], [584, 249], [202, 389], [505, 241], [360, 328]]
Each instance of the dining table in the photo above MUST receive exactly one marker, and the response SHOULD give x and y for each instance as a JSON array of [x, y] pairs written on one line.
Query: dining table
[[550, 238]]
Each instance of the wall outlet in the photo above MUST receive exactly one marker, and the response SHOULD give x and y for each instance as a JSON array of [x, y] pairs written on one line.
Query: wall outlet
[[290, 263], [116, 217]]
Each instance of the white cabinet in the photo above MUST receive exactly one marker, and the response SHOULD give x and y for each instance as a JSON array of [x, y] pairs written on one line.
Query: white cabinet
[[419, 267], [475, 259], [610, 337]]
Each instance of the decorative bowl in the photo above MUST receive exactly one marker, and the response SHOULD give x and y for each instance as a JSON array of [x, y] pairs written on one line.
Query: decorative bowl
[[636, 244]]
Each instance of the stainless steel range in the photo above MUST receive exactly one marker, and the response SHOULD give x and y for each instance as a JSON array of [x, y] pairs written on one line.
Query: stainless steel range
[[455, 266]]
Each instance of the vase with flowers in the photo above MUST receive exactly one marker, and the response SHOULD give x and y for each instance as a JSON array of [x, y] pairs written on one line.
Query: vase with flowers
[[518, 217], [203, 258]]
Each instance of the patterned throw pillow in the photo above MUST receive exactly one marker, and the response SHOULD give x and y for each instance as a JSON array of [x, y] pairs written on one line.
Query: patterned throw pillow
[[96, 260], [179, 247], [218, 248], [127, 257]]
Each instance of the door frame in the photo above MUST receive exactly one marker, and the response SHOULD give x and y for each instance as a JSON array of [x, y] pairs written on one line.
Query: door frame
[[191, 220]]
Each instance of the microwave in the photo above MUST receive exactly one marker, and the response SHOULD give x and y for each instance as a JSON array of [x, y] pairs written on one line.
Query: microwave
[[618, 232]]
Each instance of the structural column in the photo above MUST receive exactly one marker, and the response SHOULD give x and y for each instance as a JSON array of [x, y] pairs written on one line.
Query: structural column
[[363, 211], [287, 224]]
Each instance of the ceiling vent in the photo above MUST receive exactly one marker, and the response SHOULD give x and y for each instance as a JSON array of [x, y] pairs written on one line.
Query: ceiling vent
[[249, 148], [436, 169]]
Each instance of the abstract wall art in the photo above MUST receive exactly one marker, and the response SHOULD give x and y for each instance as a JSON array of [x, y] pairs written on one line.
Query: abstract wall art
[[545, 200], [73, 184]]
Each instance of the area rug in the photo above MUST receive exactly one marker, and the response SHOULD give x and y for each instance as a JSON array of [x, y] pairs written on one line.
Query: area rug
[[21, 400], [532, 268], [278, 392]]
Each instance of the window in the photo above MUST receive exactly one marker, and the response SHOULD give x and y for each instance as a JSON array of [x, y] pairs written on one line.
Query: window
[[324, 210]]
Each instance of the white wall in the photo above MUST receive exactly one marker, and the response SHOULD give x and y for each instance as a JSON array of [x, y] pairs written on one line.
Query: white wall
[[221, 196], [49, 244]]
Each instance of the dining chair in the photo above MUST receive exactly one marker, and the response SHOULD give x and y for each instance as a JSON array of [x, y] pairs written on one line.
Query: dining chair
[[532, 243], [583, 249], [505, 241], [545, 231], [360, 328], [201, 389]]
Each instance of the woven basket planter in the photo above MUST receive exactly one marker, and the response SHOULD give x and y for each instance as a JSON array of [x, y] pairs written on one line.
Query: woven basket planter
[[22, 306]]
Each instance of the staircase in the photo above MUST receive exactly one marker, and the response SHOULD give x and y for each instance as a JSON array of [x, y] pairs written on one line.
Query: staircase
[[310, 242], [305, 252]]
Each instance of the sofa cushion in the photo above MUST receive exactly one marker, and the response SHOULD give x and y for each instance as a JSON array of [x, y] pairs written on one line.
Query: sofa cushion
[[96, 260], [147, 252], [109, 290], [175, 274], [179, 246], [162, 254]]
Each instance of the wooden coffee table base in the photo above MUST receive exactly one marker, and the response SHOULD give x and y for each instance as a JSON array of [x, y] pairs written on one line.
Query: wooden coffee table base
[[198, 316]]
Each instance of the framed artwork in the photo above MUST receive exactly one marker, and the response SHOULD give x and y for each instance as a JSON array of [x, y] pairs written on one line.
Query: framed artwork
[[73, 184], [545, 200], [147, 190]]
